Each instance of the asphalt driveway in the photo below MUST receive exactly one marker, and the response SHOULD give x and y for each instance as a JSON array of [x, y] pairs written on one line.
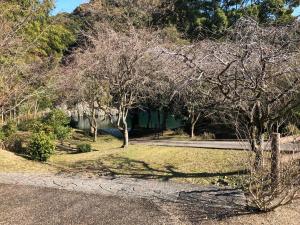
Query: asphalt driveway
[[41, 199], [28, 205]]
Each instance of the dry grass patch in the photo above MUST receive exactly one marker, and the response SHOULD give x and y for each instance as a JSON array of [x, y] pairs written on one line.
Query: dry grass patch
[[9, 162], [193, 165]]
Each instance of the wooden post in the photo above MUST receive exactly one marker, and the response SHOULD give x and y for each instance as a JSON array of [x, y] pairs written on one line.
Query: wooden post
[[275, 159]]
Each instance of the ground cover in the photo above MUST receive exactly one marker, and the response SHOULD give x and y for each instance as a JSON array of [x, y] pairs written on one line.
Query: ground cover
[[192, 165]]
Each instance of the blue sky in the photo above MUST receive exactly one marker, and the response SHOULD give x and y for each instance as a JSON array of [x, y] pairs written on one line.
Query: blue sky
[[67, 5], [70, 5], [297, 12]]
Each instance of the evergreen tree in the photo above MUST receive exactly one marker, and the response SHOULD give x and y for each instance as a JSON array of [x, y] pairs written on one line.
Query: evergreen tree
[[209, 18]]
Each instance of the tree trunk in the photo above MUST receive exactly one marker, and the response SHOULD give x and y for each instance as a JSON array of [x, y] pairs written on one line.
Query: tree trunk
[[192, 135], [125, 134], [256, 143], [95, 134], [93, 124], [194, 119], [258, 159]]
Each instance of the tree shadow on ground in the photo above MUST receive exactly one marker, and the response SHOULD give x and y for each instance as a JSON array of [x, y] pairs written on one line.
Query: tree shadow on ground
[[195, 205], [122, 166], [216, 204]]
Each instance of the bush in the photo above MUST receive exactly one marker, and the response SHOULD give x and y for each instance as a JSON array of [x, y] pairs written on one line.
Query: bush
[[41, 146], [82, 148], [13, 143], [56, 123], [33, 125], [56, 118], [9, 129], [62, 133]]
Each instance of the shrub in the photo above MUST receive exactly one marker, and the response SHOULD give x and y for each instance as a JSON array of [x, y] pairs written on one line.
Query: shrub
[[9, 129], [13, 143], [41, 146], [33, 125], [56, 123], [56, 118], [62, 133], [82, 148]]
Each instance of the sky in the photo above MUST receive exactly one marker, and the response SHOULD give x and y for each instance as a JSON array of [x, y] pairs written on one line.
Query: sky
[[297, 12], [67, 5], [70, 5]]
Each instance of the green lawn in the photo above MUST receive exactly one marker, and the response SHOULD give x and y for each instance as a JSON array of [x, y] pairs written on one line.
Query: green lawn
[[194, 165]]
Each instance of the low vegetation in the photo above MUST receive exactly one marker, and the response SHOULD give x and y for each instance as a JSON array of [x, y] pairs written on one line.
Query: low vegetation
[[40, 147], [83, 148]]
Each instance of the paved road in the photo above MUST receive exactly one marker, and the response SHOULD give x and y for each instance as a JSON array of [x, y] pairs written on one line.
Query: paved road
[[27, 205], [235, 145], [29, 199]]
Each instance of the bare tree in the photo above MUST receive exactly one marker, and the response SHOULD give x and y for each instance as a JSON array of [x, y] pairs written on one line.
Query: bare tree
[[119, 60], [188, 85], [257, 71], [84, 82]]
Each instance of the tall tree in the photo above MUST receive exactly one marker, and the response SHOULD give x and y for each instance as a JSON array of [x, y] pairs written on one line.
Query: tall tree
[[28, 47], [203, 18]]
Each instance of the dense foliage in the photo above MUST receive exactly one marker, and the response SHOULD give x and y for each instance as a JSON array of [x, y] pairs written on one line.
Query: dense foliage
[[40, 146], [211, 18]]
